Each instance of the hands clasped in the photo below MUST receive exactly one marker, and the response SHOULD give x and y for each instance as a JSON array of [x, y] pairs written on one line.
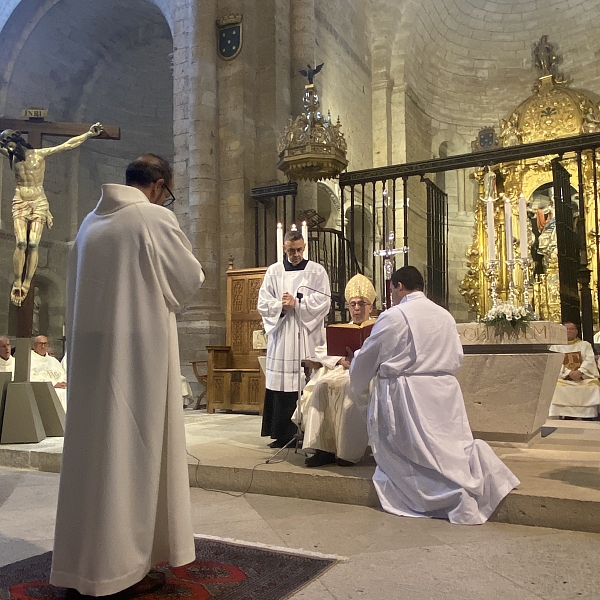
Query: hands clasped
[[288, 302]]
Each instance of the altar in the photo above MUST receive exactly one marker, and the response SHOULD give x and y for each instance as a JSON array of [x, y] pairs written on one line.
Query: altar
[[508, 379]]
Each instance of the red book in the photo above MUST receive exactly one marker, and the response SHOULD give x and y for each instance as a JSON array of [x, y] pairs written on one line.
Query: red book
[[341, 335]]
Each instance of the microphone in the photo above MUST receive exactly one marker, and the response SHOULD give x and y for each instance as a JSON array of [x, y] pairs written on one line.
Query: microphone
[[300, 296]]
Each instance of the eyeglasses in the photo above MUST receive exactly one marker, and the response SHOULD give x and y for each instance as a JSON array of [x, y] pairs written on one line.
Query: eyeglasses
[[358, 304], [168, 201]]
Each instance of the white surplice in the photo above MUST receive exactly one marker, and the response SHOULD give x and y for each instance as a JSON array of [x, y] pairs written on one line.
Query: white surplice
[[124, 500], [577, 398], [48, 368], [282, 368], [7, 366], [331, 421], [428, 464]]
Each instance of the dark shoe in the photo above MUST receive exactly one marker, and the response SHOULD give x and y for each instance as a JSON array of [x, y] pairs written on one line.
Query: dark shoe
[[151, 583], [319, 459], [344, 463], [278, 443]]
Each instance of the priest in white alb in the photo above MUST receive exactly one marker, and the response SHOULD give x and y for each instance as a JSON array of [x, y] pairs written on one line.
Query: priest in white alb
[[577, 393], [47, 368], [334, 427], [428, 464], [7, 361], [124, 497], [294, 294]]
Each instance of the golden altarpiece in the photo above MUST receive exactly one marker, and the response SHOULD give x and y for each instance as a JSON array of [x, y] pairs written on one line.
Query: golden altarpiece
[[554, 110]]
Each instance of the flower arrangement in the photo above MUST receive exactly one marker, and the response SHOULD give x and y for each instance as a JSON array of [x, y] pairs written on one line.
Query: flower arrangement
[[509, 314]]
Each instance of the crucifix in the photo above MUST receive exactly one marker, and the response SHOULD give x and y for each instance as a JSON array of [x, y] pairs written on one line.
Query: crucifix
[[30, 206], [388, 252]]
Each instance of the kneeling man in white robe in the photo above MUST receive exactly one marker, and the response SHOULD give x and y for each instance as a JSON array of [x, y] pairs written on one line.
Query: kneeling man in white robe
[[124, 494], [577, 393], [428, 464], [47, 368], [7, 361], [334, 426]]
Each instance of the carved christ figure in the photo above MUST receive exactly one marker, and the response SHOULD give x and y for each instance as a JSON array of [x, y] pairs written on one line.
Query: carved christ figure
[[30, 207]]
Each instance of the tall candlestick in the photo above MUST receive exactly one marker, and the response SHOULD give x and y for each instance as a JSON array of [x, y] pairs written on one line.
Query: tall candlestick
[[508, 229], [305, 236], [523, 226], [491, 232], [279, 242]]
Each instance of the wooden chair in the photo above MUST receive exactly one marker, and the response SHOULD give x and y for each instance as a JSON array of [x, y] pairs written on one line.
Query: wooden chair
[[202, 380], [235, 381]]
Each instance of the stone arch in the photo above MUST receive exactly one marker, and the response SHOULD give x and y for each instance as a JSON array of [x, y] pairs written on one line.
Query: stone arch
[[328, 205]]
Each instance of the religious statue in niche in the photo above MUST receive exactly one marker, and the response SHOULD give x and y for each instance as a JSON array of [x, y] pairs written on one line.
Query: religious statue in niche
[[30, 206]]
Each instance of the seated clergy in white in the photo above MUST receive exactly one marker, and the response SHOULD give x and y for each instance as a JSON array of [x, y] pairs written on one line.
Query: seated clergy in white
[[334, 427], [46, 368], [7, 361], [577, 392]]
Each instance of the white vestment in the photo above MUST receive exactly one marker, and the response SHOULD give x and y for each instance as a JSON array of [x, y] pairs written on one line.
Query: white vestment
[[331, 421], [124, 500], [428, 464], [576, 398], [283, 364], [7, 366], [47, 368]]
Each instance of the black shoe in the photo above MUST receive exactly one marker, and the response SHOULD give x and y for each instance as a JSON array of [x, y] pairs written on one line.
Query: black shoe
[[344, 463], [319, 459], [149, 584], [278, 443]]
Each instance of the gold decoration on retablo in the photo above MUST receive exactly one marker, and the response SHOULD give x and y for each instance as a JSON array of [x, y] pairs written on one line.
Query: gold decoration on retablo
[[552, 111]]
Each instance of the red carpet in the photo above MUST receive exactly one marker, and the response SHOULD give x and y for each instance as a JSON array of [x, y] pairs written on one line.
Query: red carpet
[[222, 570]]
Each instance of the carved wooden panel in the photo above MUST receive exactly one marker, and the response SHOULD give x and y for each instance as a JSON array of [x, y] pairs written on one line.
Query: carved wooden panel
[[237, 337], [218, 396], [235, 394], [254, 395], [237, 293], [253, 288]]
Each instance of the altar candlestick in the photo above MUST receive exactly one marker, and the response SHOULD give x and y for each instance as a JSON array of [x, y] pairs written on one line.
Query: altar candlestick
[[523, 226], [490, 230], [279, 242], [508, 229], [305, 237]]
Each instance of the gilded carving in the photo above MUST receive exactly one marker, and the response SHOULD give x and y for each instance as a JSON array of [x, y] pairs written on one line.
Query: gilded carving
[[553, 110]]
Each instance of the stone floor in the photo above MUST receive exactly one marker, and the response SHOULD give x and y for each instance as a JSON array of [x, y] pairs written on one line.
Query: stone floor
[[386, 557], [560, 474]]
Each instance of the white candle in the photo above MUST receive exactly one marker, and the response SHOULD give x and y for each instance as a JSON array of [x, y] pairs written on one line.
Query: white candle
[[523, 226], [305, 236], [490, 230], [279, 242], [508, 229]]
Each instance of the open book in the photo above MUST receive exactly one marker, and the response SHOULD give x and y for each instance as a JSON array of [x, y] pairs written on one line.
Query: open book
[[341, 335]]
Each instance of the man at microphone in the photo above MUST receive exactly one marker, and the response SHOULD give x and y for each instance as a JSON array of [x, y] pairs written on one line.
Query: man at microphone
[[294, 295]]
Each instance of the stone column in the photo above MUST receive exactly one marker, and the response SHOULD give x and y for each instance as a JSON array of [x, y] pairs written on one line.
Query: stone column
[[196, 168], [304, 50]]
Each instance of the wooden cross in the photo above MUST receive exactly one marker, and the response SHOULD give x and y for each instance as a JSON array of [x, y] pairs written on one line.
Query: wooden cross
[[36, 128]]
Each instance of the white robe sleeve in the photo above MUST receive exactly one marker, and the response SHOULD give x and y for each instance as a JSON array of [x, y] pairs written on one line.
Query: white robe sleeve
[[389, 333], [588, 366], [327, 361], [314, 306], [179, 272], [269, 305]]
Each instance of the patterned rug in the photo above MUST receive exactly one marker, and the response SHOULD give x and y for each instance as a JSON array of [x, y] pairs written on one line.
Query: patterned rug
[[222, 570]]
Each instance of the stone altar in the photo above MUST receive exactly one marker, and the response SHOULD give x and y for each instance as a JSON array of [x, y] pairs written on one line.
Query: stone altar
[[508, 379]]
